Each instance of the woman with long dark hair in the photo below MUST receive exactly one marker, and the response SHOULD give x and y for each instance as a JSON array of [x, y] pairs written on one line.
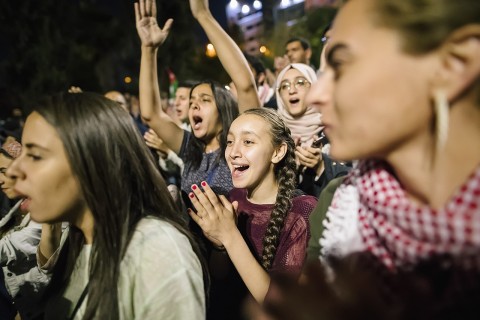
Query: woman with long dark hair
[[128, 254], [212, 108]]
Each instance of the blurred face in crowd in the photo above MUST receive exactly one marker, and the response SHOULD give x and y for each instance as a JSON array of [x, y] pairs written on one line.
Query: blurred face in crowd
[[182, 96], [118, 98], [296, 53], [6, 183], [293, 89], [43, 174], [203, 113], [374, 98]]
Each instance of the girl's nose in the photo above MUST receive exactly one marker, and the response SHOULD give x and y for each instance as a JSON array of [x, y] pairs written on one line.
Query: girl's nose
[[13, 170], [234, 151]]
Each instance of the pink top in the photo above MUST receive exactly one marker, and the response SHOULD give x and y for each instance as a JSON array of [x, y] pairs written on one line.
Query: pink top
[[252, 223]]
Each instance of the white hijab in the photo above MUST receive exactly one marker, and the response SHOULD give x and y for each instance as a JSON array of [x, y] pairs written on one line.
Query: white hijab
[[308, 124]]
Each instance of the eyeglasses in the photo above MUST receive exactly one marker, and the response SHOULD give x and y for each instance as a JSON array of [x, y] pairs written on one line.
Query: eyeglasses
[[3, 170], [297, 83]]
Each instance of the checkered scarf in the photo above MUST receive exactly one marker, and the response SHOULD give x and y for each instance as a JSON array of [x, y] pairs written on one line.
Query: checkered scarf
[[400, 232]]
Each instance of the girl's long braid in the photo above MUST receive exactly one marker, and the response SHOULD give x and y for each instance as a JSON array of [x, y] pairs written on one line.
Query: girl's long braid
[[285, 173], [283, 203]]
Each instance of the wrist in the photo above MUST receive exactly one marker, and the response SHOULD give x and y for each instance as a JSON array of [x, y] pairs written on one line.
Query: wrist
[[219, 248], [203, 14], [231, 238], [149, 49]]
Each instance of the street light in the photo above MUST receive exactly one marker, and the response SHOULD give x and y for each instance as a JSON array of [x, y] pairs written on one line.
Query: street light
[[210, 52], [233, 4], [284, 3]]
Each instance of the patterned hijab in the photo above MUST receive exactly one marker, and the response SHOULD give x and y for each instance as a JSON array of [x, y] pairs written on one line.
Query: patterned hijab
[[371, 212], [11, 149], [309, 124]]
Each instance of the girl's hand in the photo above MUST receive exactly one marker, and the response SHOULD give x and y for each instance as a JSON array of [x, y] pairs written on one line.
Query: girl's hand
[[309, 157], [153, 141], [215, 214], [151, 35]]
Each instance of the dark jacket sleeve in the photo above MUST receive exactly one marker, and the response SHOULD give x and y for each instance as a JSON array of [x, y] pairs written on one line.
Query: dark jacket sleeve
[[333, 169], [317, 217]]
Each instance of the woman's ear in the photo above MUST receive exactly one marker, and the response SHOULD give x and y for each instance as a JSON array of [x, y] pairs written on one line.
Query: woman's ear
[[460, 62], [279, 153]]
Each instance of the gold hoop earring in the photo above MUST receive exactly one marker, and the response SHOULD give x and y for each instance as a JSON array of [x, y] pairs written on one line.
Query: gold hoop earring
[[441, 118]]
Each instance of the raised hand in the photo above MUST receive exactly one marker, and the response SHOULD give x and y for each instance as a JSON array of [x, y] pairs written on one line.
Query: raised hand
[[230, 56], [215, 214], [198, 7], [150, 33]]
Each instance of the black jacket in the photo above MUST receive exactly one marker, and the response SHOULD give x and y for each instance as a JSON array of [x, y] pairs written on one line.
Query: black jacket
[[333, 169]]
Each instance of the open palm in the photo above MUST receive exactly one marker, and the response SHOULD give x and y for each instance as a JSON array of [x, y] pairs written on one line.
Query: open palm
[[150, 33]]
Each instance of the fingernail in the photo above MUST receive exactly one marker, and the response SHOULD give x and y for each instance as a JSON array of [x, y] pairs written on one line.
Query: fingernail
[[204, 183], [191, 195], [194, 187]]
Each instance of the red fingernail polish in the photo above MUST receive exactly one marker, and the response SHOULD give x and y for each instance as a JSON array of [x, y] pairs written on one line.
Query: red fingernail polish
[[204, 183], [194, 187], [191, 195]]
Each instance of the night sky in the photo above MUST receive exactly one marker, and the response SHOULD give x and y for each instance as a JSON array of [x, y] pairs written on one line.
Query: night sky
[[22, 63]]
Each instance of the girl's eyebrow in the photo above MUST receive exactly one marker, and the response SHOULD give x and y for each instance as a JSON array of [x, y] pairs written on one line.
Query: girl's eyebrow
[[32, 145], [333, 49], [204, 94], [201, 95], [245, 132]]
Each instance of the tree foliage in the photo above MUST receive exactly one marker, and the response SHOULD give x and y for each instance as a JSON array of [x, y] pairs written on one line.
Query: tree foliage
[[310, 27], [49, 45]]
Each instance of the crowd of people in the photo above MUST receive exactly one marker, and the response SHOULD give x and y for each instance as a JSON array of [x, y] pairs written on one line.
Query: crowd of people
[[348, 192]]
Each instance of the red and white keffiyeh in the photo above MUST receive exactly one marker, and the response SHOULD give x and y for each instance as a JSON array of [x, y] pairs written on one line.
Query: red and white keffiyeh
[[372, 212]]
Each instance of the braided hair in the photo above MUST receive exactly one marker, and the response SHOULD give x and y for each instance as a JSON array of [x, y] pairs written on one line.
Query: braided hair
[[285, 174]]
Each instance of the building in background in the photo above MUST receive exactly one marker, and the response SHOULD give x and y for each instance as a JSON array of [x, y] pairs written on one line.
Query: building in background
[[248, 17]]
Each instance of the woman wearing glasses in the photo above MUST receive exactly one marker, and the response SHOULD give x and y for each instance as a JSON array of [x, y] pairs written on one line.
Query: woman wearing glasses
[[304, 121], [293, 84]]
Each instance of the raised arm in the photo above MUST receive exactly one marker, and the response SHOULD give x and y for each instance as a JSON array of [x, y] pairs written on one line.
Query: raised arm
[[230, 56], [151, 37]]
